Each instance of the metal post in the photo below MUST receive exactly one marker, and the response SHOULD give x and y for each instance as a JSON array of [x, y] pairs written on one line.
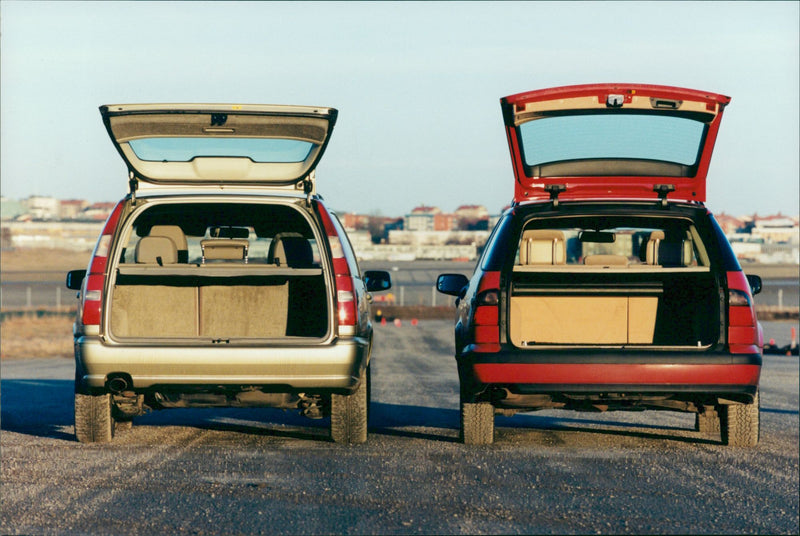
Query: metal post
[[402, 296], [28, 296], [433, 297], [780, 298], [58, 297]]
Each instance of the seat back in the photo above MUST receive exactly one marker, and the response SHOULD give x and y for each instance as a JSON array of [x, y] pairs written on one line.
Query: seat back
[[156, 250], [542, 246], [661, 252], [292, 250], [174, 233]]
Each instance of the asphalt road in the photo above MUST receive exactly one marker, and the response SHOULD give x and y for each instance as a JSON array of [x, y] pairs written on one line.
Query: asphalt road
[[272, 472]]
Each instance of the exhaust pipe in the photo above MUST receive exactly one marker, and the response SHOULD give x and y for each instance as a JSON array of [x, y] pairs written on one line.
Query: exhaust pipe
[[117, 385]]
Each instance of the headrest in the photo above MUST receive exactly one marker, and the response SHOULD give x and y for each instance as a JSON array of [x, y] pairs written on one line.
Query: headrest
[[174, 233], [543, 246], [675, 254], [156, 250], [291, 250], [671, 254]]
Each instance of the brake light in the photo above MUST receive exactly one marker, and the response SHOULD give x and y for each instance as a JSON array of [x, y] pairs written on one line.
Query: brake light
[[743, 334], [92, 295], [486, 318], [345, 295]]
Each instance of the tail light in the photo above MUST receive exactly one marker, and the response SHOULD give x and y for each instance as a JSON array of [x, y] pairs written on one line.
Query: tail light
[[743, 334], [92, 295], [486, 318], [344, 292]]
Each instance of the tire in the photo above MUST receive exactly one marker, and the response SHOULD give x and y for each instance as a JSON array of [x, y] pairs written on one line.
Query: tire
[[739, 424], [477, 423], [349, 414], [707, 424], [93, 422]]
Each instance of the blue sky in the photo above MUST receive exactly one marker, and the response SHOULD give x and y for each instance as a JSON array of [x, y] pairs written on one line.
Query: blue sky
[[417, 86]]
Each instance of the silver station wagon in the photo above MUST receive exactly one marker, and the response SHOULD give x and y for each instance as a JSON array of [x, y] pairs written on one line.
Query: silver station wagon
[[222, 279]]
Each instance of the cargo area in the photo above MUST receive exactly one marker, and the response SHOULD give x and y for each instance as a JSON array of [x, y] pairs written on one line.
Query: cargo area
[[217, 273], [629, 287]]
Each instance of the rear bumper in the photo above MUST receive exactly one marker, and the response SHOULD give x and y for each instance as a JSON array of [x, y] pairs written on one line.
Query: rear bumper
[[335, 366], [582, 371]]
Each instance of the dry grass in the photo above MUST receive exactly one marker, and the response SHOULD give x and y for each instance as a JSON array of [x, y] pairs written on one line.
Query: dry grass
[[32, 336], [32, 259]]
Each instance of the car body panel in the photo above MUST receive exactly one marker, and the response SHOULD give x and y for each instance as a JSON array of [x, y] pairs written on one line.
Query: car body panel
[[202, 145], [336, 365], [616, 174]]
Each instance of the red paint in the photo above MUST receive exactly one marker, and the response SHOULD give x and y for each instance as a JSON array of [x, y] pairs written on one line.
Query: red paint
[[614, 187], [617, 374]]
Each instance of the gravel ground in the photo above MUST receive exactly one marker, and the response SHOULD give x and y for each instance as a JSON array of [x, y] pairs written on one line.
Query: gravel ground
[[272, 472]]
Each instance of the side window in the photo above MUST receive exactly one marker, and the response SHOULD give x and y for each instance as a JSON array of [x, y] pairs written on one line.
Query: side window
[[347, 247]]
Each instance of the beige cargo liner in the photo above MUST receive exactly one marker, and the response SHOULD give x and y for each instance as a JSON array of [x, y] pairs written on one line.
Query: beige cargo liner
[[582, 319]]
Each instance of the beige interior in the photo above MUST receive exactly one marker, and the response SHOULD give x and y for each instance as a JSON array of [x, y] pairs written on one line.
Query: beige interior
[[210, 311], [582, 319], [156, 250], [542, 246], [224, 249], [606, 260]]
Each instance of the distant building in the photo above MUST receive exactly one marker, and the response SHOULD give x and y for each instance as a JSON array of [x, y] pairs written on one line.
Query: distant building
[[97, 211], [71, 208], [729, 224], [777, 229], [444, 222], [43, 208], [354, 221], [472, 217], [421, 218]]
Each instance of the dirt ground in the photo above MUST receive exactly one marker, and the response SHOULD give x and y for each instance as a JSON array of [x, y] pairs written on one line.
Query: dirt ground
[[30, 336], [32, 259]]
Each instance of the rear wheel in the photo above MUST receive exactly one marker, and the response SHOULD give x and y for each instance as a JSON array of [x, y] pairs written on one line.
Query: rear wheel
[[349, 414], [707, 423], [477, 423], [93, 421], [739, 424]]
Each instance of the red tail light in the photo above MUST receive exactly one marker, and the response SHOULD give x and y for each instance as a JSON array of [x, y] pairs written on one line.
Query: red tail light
[[487, 315], [743, 335], [345, 295], [92, 295]]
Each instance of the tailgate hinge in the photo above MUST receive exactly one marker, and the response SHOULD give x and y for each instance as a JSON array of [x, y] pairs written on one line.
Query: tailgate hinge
[[662, 190], [133, 184], [554, 190]]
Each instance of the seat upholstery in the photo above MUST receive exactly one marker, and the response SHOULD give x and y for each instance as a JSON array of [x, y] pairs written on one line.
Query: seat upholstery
[[606, 260], [231, 249], [542, 246], [156, 250], [651, 248], [174, 233], [661, 252], [292, 250]]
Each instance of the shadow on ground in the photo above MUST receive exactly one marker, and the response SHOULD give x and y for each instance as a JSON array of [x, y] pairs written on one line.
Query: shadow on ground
[[44, 408]]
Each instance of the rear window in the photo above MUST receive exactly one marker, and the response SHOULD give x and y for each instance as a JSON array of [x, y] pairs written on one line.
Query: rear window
[[612, 136], [609, 242], [266, 150], [235, 233]]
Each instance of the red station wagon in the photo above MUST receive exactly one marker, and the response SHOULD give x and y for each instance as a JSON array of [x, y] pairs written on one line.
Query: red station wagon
[[608, 285]]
